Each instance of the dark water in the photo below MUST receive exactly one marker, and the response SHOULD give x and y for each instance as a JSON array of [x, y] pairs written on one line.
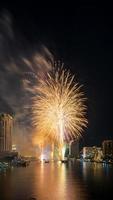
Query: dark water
[[56, 181]]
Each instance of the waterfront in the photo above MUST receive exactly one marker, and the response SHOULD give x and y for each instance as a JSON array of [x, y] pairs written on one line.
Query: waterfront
[[56, 181]]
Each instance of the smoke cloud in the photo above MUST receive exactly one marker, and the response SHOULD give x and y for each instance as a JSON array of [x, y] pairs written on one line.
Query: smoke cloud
[[19, 65]]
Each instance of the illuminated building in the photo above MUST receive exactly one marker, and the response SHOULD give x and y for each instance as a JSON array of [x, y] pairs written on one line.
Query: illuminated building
[[98, 157], [89, 152], [93, 153], [6, 127], [107, 147]]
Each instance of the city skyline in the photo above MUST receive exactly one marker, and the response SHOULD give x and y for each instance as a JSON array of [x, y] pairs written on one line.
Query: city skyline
[[84, 44]]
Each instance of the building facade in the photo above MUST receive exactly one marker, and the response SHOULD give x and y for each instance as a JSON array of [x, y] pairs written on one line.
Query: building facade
[[89, 152], [74, 149], [93, 153], [6, 128], [107, 148]]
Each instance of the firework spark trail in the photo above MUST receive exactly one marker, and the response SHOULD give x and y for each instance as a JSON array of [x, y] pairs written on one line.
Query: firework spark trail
[[58, 110]]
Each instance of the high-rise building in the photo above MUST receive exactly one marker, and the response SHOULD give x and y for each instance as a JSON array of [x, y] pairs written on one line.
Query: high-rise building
[[107, 148], [6, 128], [74, 148]]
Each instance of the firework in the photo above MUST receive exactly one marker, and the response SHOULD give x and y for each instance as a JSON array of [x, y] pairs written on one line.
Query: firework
[[58, 110]]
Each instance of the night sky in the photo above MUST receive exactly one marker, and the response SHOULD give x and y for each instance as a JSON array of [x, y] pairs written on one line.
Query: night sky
[[82, 37]]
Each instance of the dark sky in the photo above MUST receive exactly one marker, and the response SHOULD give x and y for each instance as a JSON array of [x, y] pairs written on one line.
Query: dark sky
[[81, 35]]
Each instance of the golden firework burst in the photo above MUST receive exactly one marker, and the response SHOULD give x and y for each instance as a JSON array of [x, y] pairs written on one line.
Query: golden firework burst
[[58, 107]]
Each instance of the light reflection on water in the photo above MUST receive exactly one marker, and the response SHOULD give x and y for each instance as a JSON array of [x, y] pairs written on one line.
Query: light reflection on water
[[56, 181]]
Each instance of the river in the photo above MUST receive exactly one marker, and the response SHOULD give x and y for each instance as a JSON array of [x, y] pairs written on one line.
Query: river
[[57, 181]]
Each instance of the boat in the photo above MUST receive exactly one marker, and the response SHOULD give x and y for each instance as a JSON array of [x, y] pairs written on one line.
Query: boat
[[65, 160], [46, 161], [20, 162], [3, 165]]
